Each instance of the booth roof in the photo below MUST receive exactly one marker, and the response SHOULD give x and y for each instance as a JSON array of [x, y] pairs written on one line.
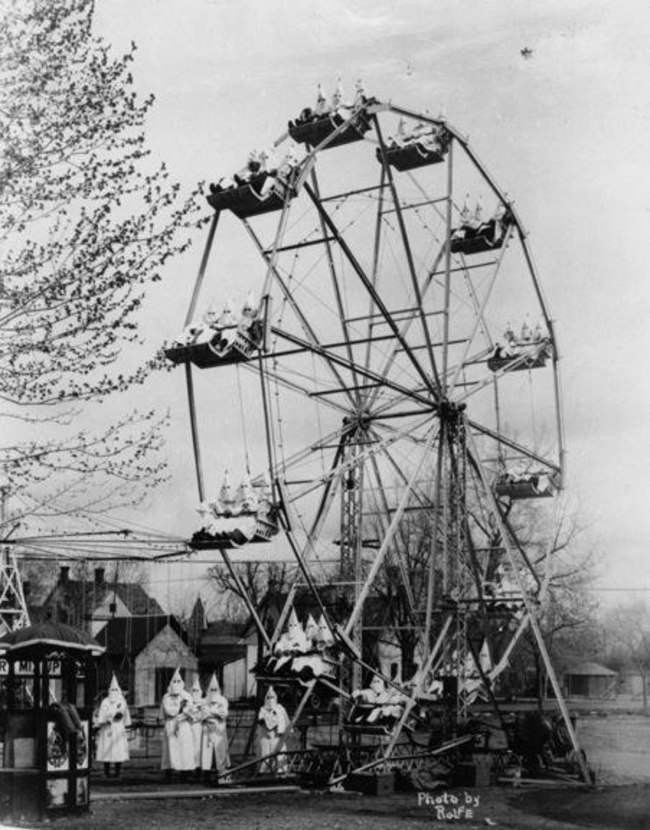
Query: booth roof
[[49, 633]]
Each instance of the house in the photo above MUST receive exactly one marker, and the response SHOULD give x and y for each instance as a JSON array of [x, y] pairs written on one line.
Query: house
[[89, 604], [144, 652], [591, 680], [230, 650]]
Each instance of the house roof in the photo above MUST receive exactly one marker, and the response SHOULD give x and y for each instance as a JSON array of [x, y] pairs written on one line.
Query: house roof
[[591, 670], [130, 635], [223, 641], [89, 594]]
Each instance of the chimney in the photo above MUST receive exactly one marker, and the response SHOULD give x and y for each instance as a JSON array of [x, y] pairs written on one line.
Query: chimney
[[64, 573], [99, 576], [26, 587]]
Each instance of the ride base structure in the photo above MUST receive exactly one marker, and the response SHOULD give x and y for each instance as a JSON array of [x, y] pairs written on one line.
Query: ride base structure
[[401, 430]]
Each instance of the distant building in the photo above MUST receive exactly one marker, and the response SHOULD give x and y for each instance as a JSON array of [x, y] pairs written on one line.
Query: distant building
[[230, 650], [144, 652], [90, 603], [591, 680]]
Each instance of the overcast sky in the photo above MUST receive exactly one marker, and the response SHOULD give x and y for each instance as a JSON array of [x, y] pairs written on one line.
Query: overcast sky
[[566, 133]]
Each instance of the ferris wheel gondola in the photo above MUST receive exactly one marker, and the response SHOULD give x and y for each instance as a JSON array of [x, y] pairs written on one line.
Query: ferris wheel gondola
[[390, 408]]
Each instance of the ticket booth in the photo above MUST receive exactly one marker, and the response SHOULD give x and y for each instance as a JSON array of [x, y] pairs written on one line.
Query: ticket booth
[[47, 682]]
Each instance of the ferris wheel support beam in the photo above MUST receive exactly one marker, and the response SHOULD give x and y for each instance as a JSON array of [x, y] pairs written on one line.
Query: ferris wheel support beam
[[541, 645], [431, 575], [295, 547], [417, 690], [381, 553], [370, 288], [409, 255], [403, 543]]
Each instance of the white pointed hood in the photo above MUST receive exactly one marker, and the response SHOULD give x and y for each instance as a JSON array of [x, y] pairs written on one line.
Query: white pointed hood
[[114, 691], [176, 685], [196, 691]]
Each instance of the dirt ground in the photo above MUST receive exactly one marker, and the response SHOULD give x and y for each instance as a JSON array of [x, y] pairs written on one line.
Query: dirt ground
[[607, 808], [616, 745]]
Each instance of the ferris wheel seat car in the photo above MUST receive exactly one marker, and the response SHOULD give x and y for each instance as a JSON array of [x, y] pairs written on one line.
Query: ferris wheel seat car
[[535, 486], [317, 129], [410, 157], [218, 350], [518, 363], [235, 532], [488, 236], [245, 200]]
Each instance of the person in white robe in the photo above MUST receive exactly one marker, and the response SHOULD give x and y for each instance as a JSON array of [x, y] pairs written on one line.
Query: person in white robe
[[273, 723], [214, 743], [178, 739], [195, 712], [111, 722]]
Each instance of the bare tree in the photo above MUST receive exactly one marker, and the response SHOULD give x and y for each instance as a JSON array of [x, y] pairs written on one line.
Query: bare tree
[[628, 634], [263, 584], [87, 221]]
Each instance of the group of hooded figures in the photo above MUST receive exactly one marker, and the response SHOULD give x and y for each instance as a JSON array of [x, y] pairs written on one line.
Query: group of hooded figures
[[194, 737], [194, 729], [238, 514], [304, 653], [225, 330]]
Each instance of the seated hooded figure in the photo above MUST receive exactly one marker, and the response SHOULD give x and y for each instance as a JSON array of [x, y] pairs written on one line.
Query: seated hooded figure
[[273, 722], [324, 638], [292, 643], [111, 721], [377, 701], [178, 738], [195, 714], [214, 745], [310, 663]]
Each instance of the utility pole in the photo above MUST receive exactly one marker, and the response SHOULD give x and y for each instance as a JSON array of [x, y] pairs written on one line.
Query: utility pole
[[13, 608]]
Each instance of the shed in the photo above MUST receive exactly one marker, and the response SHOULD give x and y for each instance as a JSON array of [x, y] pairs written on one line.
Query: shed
[[591, 680]]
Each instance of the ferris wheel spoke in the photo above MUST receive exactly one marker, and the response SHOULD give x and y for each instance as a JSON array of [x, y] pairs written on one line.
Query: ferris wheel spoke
[[409, 256], [427, 283], [508, 534], [341, 361], [290, 299], [371, 290], [335, 282], [480, 310], [500, 438], [345, 465], [281, 379]]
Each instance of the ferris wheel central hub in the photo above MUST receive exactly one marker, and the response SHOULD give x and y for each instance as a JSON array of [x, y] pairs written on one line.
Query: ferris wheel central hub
[[358, 421], [450, 411]]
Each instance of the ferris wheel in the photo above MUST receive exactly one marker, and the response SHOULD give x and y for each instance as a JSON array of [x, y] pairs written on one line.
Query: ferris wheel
[[402, 388]]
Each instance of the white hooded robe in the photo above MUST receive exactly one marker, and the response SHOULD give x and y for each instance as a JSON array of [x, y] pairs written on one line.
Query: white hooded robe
[[178, 738], [111, 721]]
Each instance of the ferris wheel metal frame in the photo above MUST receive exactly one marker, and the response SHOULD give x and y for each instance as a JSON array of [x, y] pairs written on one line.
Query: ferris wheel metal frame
[[466, 492]]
